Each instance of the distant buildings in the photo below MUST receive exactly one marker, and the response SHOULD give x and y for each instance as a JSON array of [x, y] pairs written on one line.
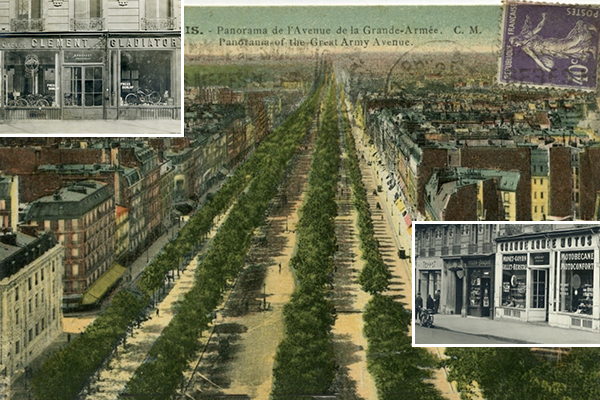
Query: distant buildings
[[31, 271], [423, 142], [82, 217], [9, 203]]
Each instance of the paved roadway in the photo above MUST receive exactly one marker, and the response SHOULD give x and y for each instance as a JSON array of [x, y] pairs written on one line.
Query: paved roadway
[[442, 337]]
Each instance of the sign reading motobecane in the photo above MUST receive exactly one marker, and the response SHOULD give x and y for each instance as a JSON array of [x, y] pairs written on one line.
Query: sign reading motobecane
[[577, 260], [514, 261]]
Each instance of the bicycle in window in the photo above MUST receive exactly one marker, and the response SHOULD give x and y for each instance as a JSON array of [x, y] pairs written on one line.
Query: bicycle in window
[[143, 96]]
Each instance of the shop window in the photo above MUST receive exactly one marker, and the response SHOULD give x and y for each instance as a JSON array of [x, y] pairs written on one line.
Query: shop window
[[514, 288], [576, 290], [146, 77], [30, 79]]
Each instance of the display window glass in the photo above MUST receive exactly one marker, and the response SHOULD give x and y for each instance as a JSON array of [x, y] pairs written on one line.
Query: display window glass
[[576, 291], [514, 288], [30, 79], [146, 77]]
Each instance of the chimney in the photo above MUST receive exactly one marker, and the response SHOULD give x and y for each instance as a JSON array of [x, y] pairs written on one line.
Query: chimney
[[9, 239]]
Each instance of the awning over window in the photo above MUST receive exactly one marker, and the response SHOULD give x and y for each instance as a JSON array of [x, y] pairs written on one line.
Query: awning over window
[[101, 286]]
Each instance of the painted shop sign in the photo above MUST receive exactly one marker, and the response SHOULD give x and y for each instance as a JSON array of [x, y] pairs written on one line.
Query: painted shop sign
[[87, 43], [539, 258], [429, 263], [48, 43], [514, 261], [145, 43], [84, 56], [577, 260], [480, 262]]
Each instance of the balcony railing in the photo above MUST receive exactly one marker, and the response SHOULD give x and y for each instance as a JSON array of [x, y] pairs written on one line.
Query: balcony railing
[[27, 25], [445, 250], [87, 24], [158, 24]]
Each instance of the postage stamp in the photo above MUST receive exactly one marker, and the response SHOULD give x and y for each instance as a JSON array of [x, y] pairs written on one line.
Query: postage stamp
[[549, 45]]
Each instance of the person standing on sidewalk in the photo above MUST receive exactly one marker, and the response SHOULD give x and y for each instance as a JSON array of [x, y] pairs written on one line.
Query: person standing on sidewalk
[[430, 303], [419, 305], [436, 301]]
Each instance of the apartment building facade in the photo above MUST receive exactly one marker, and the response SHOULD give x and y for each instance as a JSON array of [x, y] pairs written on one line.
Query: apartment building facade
[[31, 272], [82, 217]]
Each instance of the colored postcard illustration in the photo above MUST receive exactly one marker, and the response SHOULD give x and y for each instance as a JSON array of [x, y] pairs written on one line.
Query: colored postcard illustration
[[268, 253], [94, 67]]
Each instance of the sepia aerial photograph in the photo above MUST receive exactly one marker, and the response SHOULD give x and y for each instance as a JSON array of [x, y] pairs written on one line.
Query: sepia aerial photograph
[[375, 202]]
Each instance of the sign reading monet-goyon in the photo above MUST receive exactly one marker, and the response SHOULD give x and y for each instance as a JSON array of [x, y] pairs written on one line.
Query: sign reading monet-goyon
[[548, 45]]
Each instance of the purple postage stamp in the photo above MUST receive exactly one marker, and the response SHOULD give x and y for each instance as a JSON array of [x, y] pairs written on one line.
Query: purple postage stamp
[[549, 45]]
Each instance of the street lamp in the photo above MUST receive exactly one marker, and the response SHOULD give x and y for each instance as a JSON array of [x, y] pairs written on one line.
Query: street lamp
[[264, 296]]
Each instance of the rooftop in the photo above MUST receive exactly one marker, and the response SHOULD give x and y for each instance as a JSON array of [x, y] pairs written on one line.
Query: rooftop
[[19, 250], [70, 202]]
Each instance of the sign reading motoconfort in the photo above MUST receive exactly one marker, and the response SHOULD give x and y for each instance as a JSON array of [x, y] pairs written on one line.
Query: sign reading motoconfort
[[86, 43], [577, 260], [514, 261]]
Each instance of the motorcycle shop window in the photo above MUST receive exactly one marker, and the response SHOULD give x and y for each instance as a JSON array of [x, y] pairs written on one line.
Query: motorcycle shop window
[[145, 77], [577, 282], [30, 79]]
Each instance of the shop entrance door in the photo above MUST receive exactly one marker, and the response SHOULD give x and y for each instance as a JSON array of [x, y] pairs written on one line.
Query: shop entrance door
[[82, 94], [459, 296], [539, 294]]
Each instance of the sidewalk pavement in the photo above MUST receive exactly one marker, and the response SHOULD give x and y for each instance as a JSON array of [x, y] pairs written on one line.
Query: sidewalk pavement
[[117, 128], [517, 332]]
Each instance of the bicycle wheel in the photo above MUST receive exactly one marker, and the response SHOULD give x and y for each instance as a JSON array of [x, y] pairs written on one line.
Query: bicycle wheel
[[153, 98], [42, 103], [21, 103], [132, 99]]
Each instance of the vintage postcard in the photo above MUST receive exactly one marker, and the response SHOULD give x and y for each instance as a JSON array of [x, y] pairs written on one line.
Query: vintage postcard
[[269, 253], [95, 67]]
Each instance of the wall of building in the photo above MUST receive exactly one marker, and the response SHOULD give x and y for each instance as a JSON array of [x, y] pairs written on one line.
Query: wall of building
[[30, 306]]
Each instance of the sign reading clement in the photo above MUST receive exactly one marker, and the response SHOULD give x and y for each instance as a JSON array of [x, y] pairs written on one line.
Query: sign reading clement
[[514, 261], [577, 260]]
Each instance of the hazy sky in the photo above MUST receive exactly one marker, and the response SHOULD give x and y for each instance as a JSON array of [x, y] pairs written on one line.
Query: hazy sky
[[452, 22]]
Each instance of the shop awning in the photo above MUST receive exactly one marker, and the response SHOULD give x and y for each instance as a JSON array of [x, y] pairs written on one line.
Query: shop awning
[[101, 286], [400, 204]]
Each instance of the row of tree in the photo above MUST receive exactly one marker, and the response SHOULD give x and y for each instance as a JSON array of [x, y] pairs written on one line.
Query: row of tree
[[162, 372], [375, 276], [520, 373], [304, 362], [63, 375], [399, 370], [70, 368]]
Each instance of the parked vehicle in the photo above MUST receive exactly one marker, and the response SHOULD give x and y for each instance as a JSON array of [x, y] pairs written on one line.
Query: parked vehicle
[[426, 318]]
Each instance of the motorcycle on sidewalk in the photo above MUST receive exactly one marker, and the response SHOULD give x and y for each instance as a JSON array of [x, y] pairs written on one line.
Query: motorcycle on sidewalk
[[426, 318]]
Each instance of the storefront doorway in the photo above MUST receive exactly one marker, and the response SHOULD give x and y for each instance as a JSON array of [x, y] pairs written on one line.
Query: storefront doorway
[[458, 305], [539, 293], [83, 88]]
